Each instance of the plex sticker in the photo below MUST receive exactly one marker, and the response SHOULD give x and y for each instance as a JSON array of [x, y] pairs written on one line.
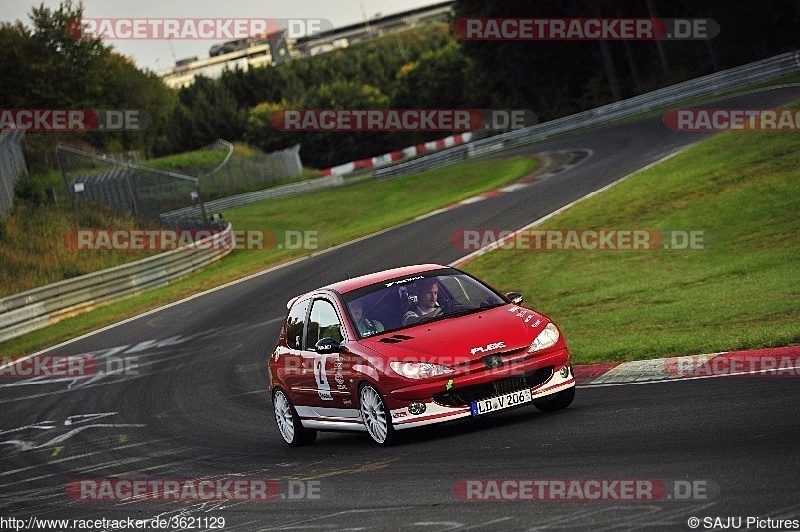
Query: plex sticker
[[488, 347]]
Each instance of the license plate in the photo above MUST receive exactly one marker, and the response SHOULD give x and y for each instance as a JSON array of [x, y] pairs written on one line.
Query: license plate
[[501, 402]]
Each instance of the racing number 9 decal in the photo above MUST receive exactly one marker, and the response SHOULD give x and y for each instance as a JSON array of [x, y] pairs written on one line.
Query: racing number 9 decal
[[320, 375]]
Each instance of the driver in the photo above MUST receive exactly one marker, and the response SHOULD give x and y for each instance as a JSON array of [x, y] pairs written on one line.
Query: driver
[[427, 302], [365, 325]]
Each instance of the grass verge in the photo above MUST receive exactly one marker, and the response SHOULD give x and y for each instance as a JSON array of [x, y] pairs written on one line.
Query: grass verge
[[337, 215], [32, 244], [741, 291]]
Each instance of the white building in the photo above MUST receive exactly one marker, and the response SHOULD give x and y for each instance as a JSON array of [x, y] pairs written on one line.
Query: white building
[[259, 54]]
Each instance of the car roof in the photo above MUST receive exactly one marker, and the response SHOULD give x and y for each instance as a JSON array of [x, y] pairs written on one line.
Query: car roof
[[377, 277]]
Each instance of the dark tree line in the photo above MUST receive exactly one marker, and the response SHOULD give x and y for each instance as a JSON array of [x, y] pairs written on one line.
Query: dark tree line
[[44, 68], [383, 73], [555, 78], [427, 67], [431, 68]]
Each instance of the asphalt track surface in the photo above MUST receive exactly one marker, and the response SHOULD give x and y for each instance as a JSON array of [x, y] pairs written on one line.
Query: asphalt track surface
[[199, 406]]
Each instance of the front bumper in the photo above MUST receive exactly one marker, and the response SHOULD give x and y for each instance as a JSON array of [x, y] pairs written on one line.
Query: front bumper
[[541, 374]]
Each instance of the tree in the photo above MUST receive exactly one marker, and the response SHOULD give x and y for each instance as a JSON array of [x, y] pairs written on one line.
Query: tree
[[260, 132], [59, 69], [127, 87], [555, 78], [53, 68], [439, 79], [213, 112], [322, 148]]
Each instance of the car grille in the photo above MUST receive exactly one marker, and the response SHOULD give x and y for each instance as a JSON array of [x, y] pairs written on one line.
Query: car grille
[[466, 395]]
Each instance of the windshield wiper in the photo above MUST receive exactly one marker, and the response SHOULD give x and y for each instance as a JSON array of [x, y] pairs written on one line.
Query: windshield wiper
[[461, 312]]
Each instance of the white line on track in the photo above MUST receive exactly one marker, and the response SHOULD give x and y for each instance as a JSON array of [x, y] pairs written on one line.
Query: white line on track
[[300, 259], [438, 211], [498, 243]]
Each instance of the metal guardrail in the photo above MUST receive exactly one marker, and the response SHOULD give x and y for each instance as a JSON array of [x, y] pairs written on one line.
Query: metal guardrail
[[34, 309], [31, 310], [247, 198], [719, 82]]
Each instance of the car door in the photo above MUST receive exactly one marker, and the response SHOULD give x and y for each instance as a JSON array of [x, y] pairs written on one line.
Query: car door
[[322, 379]]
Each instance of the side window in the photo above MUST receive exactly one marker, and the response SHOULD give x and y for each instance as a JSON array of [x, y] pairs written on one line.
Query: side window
[[294, 324], [324, 323]]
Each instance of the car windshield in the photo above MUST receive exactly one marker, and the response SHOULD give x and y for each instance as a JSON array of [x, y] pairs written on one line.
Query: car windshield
[[399, 303]]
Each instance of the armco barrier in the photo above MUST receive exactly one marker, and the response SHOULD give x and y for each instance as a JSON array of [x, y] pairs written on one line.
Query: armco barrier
[[333, 177], [37, 308], [727, 80], [247, 198]]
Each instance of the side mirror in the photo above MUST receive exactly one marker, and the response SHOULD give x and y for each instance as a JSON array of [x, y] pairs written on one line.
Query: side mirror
[[327, 346], [515, 297]]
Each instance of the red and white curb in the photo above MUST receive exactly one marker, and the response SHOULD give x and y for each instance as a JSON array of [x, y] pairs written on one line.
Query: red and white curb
[[576, 157], [398, 155], [767, 362]]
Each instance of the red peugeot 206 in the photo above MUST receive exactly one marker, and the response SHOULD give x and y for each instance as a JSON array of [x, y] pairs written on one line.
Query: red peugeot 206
[[409, 347]]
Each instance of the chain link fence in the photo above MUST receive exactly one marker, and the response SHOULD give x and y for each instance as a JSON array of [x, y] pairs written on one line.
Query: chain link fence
[[12, 168], [132, 188], [247, 173], [175, 185]]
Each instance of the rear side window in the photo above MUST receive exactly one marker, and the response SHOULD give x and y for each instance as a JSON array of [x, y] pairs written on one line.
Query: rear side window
[[324, 323], [294, 324]]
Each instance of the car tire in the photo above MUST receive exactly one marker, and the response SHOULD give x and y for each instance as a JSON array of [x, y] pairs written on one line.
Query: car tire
[[559, 401], [291, 429], [375, 416]]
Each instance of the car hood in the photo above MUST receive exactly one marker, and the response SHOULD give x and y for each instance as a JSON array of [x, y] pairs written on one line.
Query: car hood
[[461, 338]]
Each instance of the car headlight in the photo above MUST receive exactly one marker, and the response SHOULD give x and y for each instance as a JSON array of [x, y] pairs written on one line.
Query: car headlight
[[547, 338], [420, 370]]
